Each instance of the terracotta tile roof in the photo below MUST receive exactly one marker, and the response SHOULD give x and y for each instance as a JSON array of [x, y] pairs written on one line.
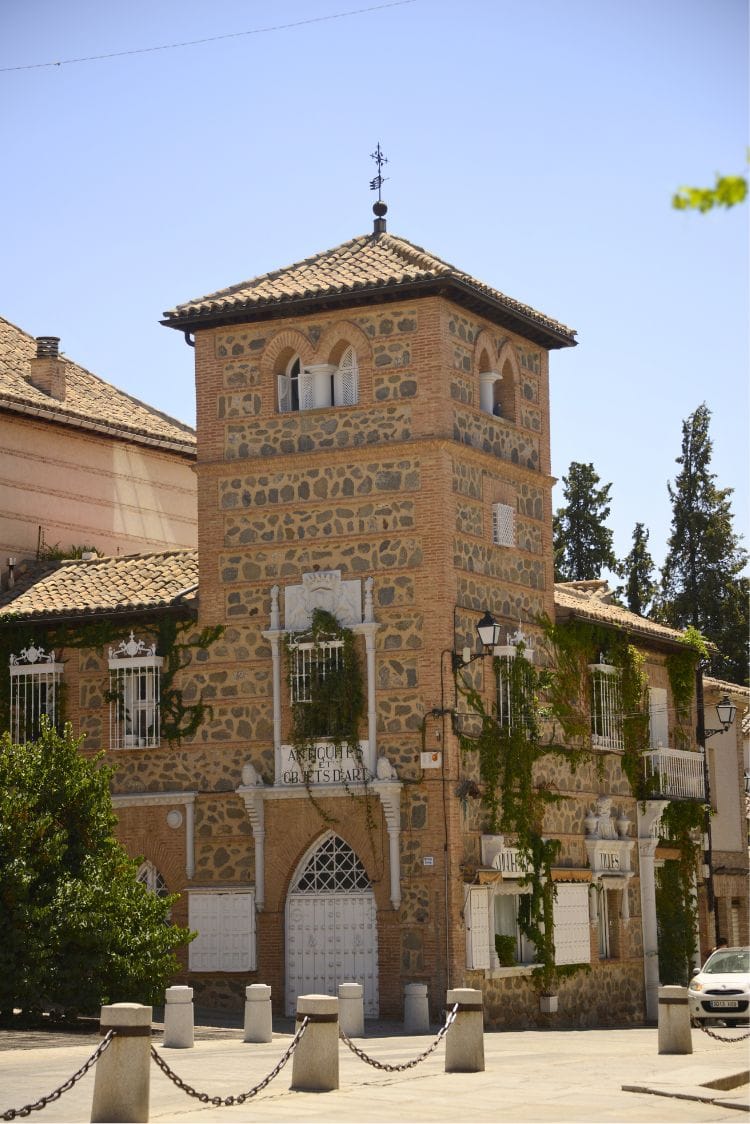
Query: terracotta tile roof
[[723, 686], [134, 583], [89, 401], [369, 265], [592, 601]]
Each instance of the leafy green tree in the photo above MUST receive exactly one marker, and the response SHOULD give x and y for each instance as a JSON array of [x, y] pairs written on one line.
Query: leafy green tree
[[637, 569], [582, 543], [701, 582], [77, 928], [727, 191]]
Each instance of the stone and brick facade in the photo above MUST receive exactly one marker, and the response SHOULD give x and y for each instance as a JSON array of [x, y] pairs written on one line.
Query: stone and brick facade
[[384, 510]]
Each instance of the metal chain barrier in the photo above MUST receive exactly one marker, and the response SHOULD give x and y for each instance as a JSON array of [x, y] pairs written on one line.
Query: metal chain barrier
[[718, 1038], [12, 1113], [405, 1065], [221, 1102]]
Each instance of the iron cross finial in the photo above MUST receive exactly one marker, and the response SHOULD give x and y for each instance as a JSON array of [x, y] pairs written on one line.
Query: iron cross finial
[[377, 183]]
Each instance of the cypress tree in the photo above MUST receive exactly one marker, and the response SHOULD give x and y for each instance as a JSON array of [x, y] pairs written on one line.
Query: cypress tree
[[581, 541], [701, 583], [637, 570]]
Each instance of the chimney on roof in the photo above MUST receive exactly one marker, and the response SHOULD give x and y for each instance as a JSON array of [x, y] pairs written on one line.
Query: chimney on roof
[[47, 369]]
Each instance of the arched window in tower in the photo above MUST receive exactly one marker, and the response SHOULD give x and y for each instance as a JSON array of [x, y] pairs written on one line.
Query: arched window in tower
[[504, 394], [295, 387], [346, 379]]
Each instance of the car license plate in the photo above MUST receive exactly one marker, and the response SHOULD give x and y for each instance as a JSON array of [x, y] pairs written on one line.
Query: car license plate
[[724, 1003]]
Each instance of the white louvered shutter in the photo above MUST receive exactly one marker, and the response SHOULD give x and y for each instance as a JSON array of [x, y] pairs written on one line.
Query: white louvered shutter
[[477, 914], [306, 390], [346, 379], [285, 398], [503, 525], [571, 919], [226, 932], [657, 704]]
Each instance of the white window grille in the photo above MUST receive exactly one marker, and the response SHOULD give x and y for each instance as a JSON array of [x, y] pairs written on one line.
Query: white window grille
[[515, 692], [225, 923], [503, 525], [346, 380], [507, 907], [134, 692], [571, 920], [606, 707], [295, 388], [333, 869], [310, 663], [35, 681], [150, 877]]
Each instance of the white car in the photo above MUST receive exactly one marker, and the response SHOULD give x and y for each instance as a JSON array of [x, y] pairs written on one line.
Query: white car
[[720, 992]]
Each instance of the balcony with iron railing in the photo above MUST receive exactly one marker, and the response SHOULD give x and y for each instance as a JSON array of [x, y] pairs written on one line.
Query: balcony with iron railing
[[675, 774]]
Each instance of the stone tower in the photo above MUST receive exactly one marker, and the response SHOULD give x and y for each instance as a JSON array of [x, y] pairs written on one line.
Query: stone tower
[[373, 440]]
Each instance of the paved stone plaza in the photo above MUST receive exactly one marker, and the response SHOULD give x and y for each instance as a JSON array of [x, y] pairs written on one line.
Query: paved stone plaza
[[587, 1076]]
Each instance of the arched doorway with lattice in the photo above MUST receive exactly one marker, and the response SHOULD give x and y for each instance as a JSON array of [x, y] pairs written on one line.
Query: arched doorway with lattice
[[331, 925]]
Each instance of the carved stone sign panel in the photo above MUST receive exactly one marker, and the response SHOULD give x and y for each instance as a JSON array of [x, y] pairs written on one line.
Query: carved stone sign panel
[[322, 589]]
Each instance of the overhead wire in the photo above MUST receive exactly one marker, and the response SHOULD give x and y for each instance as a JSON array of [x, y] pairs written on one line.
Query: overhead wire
[[211, 38]]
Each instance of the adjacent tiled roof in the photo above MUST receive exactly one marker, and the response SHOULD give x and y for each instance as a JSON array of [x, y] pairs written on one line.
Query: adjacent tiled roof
[[363, 268], [591, 600], [135, 583], [90, 402], [723, 686]]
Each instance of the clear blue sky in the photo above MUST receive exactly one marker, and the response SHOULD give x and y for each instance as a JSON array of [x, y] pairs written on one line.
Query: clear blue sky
[[533, 143]]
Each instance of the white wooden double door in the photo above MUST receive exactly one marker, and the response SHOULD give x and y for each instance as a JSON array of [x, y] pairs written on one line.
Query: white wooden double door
[[331, 927]]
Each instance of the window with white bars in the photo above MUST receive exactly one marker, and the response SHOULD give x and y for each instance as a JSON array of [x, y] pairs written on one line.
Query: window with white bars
[[515, 692], [606, 707], [310, 665], [503, 524], [134, 694], [35, 682]]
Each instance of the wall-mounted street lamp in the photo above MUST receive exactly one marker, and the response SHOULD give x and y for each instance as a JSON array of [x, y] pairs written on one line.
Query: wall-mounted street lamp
[[488, 631], [726, 712]]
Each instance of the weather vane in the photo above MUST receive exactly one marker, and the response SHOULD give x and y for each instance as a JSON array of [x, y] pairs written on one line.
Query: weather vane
[[377, 183]]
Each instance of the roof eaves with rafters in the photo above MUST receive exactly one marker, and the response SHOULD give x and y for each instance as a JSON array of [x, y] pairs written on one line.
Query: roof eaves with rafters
[[76, 589], [365, 269]]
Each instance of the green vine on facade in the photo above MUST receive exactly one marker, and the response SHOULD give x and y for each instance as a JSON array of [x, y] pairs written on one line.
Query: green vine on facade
[[681, 668], [514, 802], [333, 707]]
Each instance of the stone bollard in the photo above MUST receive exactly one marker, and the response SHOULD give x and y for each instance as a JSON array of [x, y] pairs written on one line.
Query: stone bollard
[[416, 1009], [675, 1036], [352, 1009], [121, 1077], [464, 1042], [315, 1064], [179, 1023], [258, 1015]]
